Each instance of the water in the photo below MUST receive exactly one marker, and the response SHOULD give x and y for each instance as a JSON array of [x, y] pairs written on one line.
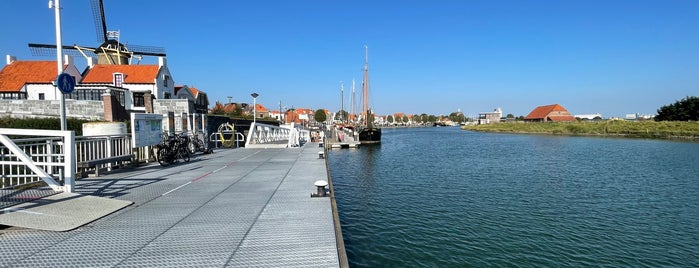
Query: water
[[443, 197]]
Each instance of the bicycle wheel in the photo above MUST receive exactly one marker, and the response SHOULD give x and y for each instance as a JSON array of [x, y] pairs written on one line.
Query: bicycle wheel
[[184, 154], [192, 147], [163, 153]]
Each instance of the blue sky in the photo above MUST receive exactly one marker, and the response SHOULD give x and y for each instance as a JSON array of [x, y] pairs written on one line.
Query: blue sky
[[609, 57]]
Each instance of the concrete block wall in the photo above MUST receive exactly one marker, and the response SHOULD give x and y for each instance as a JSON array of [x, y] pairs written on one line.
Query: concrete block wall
[[80, 109]]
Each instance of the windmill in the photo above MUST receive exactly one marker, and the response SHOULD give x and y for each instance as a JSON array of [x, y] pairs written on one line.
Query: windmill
[[111, 51]]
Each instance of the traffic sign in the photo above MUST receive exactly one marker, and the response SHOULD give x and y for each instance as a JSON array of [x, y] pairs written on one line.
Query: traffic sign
[[65, 83]]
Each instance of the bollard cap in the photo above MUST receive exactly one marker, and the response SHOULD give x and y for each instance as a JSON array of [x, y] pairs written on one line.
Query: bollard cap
[[321, 183]]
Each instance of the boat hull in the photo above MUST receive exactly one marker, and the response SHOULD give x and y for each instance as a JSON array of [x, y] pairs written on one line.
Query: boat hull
[[370, 135]]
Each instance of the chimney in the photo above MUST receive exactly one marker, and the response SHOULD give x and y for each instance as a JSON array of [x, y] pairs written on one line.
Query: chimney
[[68, 60], [162, 62], [11, 59]]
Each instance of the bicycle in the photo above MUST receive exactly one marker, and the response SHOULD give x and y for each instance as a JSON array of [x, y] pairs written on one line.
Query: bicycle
[[172, 149], [195, 144]]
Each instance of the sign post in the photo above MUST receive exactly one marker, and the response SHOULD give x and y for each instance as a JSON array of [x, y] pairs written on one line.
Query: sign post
[[65, 84]]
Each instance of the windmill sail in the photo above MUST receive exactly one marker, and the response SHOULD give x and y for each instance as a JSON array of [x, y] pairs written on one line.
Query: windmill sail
[[110, 51]]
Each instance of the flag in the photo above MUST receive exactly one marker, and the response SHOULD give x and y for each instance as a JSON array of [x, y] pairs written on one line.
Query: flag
[[112, 34]]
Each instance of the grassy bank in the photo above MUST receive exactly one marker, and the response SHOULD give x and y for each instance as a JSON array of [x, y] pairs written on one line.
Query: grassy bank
[[616, 128]]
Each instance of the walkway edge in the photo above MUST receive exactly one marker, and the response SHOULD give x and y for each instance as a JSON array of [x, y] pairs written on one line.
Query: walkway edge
[[341, 253]]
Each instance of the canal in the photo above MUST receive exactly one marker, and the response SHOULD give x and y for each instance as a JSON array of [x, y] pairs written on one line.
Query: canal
[[444, 197]]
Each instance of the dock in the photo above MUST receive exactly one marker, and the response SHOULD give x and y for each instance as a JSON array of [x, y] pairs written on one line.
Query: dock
[[341, 139], [247, 207]]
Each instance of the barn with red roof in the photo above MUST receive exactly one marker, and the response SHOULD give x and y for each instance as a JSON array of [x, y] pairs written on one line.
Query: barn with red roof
[[549, 113]]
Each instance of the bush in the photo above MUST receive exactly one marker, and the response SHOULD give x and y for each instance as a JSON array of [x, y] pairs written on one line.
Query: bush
[[43, 123]]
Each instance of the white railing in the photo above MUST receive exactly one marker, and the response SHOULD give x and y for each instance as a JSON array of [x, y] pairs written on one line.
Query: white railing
[[30, 160], [267, 136], [99, 147]]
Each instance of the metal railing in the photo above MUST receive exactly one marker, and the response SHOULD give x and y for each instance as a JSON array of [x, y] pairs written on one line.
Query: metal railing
[[263, 135], [99, 147], [30, 160]]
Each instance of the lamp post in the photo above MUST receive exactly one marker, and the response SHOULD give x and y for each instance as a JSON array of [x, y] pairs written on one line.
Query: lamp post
[[55, 4], [254, 106]]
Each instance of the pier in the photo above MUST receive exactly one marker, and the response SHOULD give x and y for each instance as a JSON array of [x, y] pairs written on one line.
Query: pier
[[342, 138], [234, 208]]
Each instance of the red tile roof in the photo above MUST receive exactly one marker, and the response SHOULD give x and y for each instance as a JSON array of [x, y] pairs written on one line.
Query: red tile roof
[[133, 74], [195, 91], [15, 75], [553, 112], [260, 108]]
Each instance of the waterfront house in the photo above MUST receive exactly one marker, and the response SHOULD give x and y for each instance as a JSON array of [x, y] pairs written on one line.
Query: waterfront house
[[33, 80], [549, 113], [140, 82], [490, 117], [194, 95]]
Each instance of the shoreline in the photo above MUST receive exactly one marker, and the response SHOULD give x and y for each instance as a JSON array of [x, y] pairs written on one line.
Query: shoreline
[[677, 131]]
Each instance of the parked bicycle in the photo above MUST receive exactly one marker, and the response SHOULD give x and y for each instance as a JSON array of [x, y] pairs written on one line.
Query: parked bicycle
[[195, 144], [170, 150]]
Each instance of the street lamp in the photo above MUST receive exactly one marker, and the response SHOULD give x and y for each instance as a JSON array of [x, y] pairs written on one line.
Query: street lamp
[[254, 106]]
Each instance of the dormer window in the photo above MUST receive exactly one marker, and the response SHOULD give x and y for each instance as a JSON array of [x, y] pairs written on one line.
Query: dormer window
[[118, 79]]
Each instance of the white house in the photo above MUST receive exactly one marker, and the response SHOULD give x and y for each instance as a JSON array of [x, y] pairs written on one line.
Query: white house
[[33, 80], [137, 79]]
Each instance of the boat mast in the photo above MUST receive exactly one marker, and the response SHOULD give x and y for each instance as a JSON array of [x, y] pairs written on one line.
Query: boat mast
[[353, 108], [365, 88]]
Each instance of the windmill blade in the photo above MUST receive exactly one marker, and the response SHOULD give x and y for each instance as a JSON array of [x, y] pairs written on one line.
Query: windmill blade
[[147, 50], [100, 23], [46, 50]]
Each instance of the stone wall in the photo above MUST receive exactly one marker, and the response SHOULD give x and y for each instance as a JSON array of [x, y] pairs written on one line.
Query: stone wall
[[79, 109]]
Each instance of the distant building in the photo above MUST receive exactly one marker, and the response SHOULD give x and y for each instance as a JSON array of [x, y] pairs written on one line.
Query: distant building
[[595, 116], [549, 113], [639, 116], [490, 117]]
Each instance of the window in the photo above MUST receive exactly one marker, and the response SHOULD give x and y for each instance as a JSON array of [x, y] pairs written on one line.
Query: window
[[138, 100], [42, 96], [167, 95], [165, 78], [118, 79]]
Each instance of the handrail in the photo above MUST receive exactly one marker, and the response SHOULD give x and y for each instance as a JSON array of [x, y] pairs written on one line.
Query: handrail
[[40, 161], [265, 136]]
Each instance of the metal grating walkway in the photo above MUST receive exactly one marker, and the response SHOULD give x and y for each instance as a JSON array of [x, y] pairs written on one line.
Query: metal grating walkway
[[233, 208]]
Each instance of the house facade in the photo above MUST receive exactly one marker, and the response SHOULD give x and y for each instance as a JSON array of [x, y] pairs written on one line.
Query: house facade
[[27, 91], [490, 117]]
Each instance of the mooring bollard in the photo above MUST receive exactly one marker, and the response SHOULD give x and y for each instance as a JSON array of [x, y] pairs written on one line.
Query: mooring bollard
[[321, 155], [320, 185]]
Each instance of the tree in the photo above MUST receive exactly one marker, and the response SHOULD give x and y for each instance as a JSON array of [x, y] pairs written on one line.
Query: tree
[[389, 119], [218, 109], [510, 116], [341, 115], [320, 116], [406, 120], [686, 109], [431, 118]]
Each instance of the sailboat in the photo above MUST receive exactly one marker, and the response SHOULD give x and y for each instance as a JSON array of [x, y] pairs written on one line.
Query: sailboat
[[368, 133]]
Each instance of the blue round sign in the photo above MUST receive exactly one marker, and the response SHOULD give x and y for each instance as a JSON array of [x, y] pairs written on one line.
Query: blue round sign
[[65, 83]]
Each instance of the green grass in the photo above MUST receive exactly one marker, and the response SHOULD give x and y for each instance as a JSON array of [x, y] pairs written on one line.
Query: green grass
[[635, 129]]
